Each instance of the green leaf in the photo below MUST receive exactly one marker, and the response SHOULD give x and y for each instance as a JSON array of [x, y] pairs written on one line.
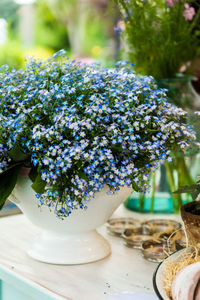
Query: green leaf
[[11, 167], [83, 175], [186, 189], [195, 194], [16, 153], [33, 174], [2, 140], [38, 185], [135, 186], [8, 181]]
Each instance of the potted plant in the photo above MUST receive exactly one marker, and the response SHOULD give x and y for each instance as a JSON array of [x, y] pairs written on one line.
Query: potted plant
[[172, 28], [190, 214], [163, 41], [84, 134]]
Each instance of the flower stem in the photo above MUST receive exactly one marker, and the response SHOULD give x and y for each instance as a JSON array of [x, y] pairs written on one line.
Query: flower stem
[[153, 191], [142, 198], [177, 202]]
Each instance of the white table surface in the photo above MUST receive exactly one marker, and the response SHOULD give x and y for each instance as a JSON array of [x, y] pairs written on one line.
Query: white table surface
[[125, 270]]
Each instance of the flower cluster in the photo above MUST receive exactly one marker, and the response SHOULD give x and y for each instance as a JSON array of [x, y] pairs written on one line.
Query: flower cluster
[[189, 11], [82, 127]]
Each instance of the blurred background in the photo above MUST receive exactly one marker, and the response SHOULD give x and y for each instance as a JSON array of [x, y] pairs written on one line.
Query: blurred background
[[85, 28]]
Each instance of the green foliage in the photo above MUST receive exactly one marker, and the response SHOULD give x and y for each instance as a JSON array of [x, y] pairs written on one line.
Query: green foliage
[[11, 54], [160, 39], [193, 189], [8, 11], [8, 181], [49, 31], [8, 8], [16, 153], [38, 185], [88, 26], [33, 174], [96, 38], [64, 9]]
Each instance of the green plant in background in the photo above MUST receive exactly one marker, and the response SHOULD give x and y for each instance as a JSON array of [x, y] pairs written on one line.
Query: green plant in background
[[97, 38], [193, 189], [162, 35], [12, 55], [10, 52], [8, 11], [163, 39], [73, 15], [84, 29], [50, 33], [8, 8], [89, 27]]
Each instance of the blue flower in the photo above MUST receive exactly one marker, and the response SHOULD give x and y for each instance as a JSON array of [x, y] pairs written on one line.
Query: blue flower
[[84, 127]]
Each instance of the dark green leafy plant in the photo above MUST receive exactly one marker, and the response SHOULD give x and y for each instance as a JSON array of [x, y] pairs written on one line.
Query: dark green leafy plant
[[193, 189]]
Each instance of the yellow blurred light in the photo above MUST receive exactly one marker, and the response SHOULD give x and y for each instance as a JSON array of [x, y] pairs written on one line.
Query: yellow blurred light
[[96, 50], [139, 3], [39, 53]]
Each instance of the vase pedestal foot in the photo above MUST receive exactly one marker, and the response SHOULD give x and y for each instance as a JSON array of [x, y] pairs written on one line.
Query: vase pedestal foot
[[69, 249]]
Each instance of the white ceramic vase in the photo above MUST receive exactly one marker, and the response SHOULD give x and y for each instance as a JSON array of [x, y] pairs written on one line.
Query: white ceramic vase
[[73, 240]]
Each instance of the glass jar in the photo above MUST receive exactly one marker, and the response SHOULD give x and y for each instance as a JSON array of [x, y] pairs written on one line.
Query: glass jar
[[184, 169]]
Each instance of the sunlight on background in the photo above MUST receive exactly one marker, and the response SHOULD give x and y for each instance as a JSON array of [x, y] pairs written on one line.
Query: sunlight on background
[[3, 31], [39, 28], [24, 1]]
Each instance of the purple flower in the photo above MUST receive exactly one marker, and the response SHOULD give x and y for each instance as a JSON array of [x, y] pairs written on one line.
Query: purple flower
[[171, 2], [189, 12], [119, 28], [118, 31]]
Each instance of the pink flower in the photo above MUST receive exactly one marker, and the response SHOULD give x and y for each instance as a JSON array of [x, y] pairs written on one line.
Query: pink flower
[[171, 2], [189, 12]]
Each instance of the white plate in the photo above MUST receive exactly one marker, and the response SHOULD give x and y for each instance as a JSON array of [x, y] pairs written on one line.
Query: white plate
[[158, 276]]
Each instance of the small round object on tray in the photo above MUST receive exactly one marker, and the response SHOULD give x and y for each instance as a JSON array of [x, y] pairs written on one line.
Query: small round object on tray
[[180, 240], [159, 225], [134, 240], [156, 251], [117, 226]]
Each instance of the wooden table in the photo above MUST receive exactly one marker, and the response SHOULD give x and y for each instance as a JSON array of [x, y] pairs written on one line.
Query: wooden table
[[23, 278]]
